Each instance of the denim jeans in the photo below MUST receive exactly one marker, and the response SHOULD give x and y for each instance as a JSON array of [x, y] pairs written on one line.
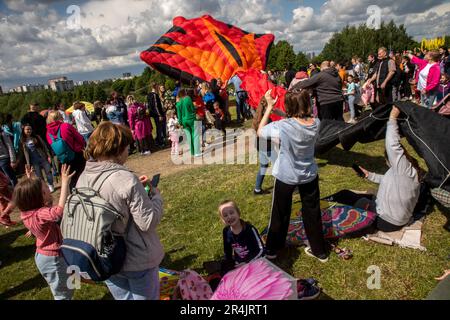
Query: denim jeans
[[54, 271], [86, 137], [39, 164], [428, 98], [135, 285], [5, 165], [240, 105], [351, 106], [264, 160]]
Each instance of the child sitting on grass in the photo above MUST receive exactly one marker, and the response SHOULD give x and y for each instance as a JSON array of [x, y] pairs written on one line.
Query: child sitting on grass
[[32, 197], [241, 241]]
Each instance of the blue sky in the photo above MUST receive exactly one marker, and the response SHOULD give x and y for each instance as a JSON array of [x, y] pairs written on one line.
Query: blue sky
[[37, 43]]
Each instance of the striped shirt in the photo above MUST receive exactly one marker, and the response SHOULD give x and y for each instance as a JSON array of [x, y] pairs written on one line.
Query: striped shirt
[[43, 224]]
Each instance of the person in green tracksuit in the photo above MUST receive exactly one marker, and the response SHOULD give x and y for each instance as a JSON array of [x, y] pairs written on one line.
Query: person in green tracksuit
[[186, 113]]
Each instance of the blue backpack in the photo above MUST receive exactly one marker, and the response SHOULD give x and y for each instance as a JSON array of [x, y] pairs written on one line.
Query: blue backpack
[[61, 148]]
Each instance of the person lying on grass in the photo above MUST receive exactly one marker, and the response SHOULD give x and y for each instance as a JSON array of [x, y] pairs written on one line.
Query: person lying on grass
[[399, 187], [241, 241]]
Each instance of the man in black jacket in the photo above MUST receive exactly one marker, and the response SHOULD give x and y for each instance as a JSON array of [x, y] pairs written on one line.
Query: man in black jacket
[[372, 62], [328, 86], [36, 121], [383, 76], [156, 111]]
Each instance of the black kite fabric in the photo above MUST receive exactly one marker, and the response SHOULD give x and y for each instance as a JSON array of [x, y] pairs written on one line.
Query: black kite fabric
[[426, 131]]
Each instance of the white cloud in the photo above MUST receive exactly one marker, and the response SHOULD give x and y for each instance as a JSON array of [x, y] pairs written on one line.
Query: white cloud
[[310, 30], [22, 5], [36, 40]]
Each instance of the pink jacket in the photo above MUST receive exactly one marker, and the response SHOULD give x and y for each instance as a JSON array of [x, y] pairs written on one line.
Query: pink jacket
[[43, 224], [142, 128], [68, 133], [433, 76]]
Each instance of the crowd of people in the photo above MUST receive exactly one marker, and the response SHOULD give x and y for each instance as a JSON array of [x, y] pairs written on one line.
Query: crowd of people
[[84, 148], [420, 75]]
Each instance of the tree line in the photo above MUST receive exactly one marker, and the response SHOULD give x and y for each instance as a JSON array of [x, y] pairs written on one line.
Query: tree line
[[18, 104], [351, 41]]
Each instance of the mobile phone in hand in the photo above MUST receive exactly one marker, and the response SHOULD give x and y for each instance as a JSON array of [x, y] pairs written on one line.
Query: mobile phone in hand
[[155, 180], [358, 171]]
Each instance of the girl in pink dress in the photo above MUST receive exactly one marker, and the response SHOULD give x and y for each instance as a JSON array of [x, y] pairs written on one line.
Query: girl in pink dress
[[140, 124]]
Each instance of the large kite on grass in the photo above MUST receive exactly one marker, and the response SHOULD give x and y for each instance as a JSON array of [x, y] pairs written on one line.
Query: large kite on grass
[[204, 49]]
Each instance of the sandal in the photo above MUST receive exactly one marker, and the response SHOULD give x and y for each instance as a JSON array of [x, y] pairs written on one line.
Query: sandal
[[343, 253]]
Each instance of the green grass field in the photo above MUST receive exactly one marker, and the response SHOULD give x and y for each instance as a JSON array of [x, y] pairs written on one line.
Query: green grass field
[[192, 233]]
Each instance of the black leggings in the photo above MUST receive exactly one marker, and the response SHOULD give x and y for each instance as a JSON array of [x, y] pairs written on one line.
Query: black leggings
[[143, 144], [281, 214]]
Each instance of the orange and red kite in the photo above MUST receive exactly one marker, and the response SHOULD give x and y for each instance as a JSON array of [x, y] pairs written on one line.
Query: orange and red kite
[[204, 49]]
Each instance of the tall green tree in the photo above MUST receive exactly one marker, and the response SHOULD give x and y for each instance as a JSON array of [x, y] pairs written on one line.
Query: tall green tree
[[285, 55], [360, 41], [127, 87], [301, 61], [99, 94]]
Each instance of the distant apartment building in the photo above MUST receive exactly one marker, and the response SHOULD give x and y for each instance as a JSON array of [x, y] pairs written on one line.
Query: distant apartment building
[[311, 55], [126, 76], [61, 84], [28, 88], [84, 83]]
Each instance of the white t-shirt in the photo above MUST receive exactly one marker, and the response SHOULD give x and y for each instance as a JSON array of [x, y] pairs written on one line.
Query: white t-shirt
[[82, 121], [65, 117], [172, 125], [423, 76]]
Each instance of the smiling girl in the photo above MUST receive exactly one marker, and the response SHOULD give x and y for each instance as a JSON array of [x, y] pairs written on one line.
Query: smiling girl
[[241, 240]]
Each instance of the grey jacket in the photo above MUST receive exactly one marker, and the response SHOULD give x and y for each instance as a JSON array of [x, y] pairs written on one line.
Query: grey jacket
[[327, 84], [399, 187], [6, 148], [126, 193]]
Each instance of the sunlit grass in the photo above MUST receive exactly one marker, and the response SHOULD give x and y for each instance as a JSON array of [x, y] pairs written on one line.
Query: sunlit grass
[[192, 233]]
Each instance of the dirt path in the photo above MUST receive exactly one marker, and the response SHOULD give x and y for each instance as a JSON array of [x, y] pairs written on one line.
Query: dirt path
[[161, 161], [157, 162]]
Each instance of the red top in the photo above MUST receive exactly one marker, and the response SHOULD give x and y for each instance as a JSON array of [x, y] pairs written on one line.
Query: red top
[[223, 94], [200, 106], [43, 225], [68, 133]]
